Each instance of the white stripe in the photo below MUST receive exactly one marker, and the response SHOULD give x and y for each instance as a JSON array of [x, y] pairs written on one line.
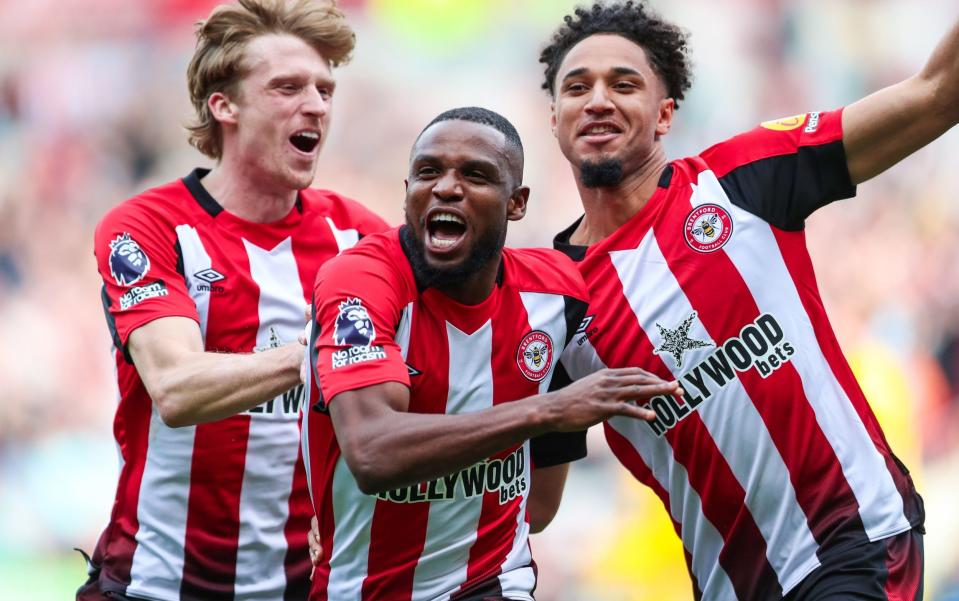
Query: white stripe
[[730, 416], [756, 255], [352, 519], [517, 579], [547, 313], [699, 536], [195, 260], [451, 529], [274, 435], [344, 238], [157, 566], [580, 358], [403, 330]]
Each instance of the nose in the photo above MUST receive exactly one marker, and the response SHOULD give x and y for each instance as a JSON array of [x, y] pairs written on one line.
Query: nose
[[599, 101], [316, 104], [448, 186]]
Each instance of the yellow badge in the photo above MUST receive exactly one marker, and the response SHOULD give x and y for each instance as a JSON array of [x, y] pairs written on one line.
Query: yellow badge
[[786, 123]]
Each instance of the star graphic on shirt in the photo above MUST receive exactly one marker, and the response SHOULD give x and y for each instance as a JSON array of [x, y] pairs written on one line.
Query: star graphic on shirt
[[676, 342]]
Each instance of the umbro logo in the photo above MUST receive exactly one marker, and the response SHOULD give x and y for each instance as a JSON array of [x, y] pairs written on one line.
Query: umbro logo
[[207, 277]]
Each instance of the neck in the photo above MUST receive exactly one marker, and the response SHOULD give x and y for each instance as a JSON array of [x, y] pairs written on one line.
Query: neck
[[607, 209], [238, 190], [476, 287]]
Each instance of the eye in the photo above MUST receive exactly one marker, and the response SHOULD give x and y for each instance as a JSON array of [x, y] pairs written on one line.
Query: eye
[[624, 86], [476, 176], [325, 93], [576, 88], [289, 88], [426, 172]]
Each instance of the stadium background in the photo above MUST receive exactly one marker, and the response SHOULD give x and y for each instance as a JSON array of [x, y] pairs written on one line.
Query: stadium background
[[92, 96]]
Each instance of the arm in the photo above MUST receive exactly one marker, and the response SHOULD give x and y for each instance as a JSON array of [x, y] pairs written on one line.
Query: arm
[[545, 494], [385, 447], [191, 386], [885, 127]]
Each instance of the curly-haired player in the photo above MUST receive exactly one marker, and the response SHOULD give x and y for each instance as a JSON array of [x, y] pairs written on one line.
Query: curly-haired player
[[773, 466]]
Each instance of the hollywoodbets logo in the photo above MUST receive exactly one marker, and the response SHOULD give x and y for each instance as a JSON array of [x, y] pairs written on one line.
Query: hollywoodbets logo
[[761, 345]]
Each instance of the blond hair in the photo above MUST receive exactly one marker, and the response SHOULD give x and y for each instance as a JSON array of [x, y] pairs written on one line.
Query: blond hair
[[217, 64]]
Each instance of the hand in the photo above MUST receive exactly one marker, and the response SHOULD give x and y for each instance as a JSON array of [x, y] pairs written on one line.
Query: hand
[[604, 394], [316, 549]]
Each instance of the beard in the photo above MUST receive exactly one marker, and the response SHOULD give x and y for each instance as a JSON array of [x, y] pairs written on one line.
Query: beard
[[485, 249], [603, 173]]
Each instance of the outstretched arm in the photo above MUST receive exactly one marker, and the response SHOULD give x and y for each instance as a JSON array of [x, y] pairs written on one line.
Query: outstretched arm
[[385, 447], [885, 127]]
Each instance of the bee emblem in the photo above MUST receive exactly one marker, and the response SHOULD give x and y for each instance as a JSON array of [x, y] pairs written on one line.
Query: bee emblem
[[534, 355], [708, 228]]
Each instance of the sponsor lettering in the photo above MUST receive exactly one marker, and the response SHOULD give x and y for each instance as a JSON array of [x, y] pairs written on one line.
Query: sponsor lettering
[[287, 403], [136, 295], [761, 345], [813, 124], [506, 477], [357, 354]]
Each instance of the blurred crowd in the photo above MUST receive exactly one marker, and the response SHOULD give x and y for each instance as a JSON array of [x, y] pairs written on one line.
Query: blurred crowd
[[92, 103]]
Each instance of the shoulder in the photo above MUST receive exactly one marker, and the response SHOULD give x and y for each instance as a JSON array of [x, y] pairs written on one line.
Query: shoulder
[[775, 138], [378, 256], [543, 270], [345, 213], [153, 213]]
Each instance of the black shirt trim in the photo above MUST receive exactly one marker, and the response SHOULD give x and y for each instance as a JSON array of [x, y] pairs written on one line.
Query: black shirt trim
[[206, 200]]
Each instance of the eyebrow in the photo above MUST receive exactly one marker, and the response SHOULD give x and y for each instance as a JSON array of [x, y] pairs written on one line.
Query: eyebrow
[[617, 70], [481, 164]]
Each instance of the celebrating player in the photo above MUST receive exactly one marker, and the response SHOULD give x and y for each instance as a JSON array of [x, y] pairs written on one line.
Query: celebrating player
[[417, 456], [205, 280], [773, 467]]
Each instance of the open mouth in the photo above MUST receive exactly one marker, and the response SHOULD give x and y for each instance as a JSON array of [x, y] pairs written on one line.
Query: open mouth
[[305, 141], [444, 230], [600, 129]]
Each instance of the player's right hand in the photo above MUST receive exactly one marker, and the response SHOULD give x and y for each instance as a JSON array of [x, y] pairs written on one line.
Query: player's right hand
[[316, 549], [604, 394]]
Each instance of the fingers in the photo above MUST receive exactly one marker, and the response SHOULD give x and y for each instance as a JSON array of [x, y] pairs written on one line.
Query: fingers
[[313, 537], [642, 392], [635, 411]]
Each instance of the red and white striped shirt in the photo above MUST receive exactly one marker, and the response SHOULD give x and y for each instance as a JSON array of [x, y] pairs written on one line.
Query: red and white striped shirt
[[773, 459], [465, 534], [219, 510]]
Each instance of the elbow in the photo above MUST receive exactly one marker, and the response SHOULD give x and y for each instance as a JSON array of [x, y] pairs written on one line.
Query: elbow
[[539, 518], [171, 409], [369, 470]]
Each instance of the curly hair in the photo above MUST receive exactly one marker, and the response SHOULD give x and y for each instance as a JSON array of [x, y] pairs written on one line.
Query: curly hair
[[218, 62], [666, 45]]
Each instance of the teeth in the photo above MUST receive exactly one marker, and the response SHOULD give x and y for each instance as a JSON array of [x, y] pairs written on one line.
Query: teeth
[[441, 242], [309, 134], [446, 217], [601, 129]]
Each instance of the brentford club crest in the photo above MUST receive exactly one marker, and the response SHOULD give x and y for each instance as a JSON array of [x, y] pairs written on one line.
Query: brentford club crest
[[708, 228], [534, 355]]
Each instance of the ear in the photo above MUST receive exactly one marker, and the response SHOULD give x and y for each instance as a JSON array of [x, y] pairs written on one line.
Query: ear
[[665, 117], [222, 109], [516, 206], [552, 117]]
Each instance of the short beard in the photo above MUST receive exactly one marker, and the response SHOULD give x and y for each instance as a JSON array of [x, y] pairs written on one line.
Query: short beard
[[487, 248], [604, 173]]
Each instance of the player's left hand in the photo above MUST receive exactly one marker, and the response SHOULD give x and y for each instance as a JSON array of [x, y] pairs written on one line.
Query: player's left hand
[[316, 549]]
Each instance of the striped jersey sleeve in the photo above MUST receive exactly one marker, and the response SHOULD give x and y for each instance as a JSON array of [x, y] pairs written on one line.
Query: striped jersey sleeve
[[783, 170]]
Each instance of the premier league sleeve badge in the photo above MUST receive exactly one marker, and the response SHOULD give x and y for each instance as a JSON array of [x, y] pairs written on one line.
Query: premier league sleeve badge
[[128, 263]]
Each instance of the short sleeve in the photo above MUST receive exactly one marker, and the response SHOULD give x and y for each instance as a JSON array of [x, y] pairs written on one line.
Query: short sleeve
[[557, 448], [783, 170], [138, 262], [356, 306]]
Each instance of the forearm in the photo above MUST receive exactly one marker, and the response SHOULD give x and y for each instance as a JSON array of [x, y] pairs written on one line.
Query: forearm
[[942, 74], [203, 387], [401, 448]]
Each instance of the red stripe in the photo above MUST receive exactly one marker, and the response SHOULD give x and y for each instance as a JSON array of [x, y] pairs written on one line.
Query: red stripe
[[821, 488], [312, 246], [219, 448], [496, 532], [398, 533], [798, 263], [131, 429], [324, 454], [904, 563], [723, 499]]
